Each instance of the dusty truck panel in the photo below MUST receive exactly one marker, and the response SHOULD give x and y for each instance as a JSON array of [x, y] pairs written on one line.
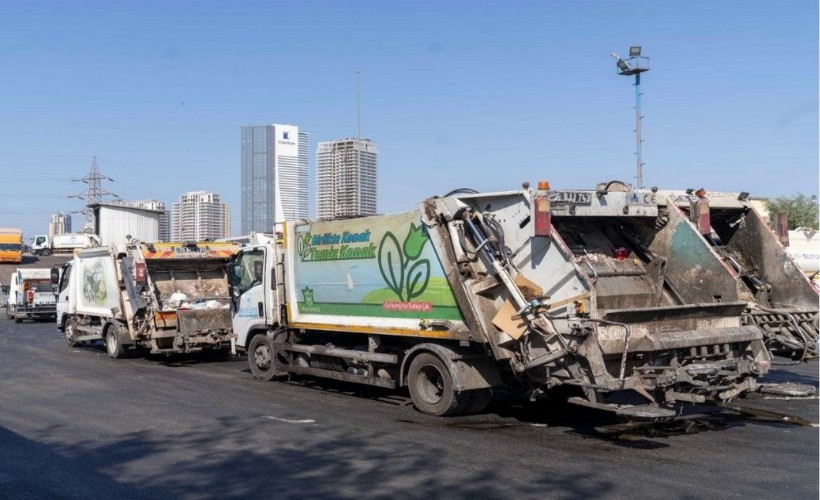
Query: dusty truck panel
[[160, 297], [95, 284], [781, 299], [550, 288]]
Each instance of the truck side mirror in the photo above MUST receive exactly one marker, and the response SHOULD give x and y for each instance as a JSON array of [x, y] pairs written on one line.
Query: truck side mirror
[[233, 274], [55, 275]]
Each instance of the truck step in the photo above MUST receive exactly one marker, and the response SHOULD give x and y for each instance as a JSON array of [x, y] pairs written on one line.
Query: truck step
[[647, 411], [788, 389]]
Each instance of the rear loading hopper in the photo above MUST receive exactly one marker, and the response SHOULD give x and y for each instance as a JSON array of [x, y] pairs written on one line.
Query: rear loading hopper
[[612, 299], [780, 298]]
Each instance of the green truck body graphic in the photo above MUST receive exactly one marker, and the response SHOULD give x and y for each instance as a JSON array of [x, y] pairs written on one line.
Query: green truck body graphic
[[380, 267]]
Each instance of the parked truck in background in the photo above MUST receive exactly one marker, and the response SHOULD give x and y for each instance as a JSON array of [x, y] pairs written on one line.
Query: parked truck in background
[[31, 295], [160, 298], [11, 245], [46, 245], [526, 290], [781, 299], [804, 248], [4, 294]]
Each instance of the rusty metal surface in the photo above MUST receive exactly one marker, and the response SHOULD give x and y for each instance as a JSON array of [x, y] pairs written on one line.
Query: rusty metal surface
[[757, 244], [649, 339], [191, 321], [694, 270]]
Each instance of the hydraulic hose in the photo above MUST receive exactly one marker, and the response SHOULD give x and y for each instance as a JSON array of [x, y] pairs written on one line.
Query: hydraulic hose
[[797, 329]]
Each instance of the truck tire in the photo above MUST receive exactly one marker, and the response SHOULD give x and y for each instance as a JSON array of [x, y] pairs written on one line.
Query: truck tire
[[261, 355], [45, 252], [432, 389], [113, 346]]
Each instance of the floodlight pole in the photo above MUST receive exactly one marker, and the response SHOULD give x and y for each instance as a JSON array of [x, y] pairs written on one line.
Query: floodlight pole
[[638, 140], [635, 65]]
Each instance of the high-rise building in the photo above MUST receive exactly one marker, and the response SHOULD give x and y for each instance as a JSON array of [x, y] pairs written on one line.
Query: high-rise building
[[164, 219], [274, 176], [60, 223], [346, 178], [199, 215]]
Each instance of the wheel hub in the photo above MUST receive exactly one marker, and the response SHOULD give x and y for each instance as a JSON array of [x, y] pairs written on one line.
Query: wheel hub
[[262, 357], [430, 384]]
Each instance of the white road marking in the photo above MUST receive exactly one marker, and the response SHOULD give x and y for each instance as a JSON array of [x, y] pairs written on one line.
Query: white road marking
[[289, 421]]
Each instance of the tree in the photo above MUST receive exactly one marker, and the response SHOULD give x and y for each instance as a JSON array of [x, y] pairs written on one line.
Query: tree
[[801, 210]]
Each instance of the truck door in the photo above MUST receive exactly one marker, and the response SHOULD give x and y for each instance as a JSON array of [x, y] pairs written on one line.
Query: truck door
[[62, 291], [249, 282]]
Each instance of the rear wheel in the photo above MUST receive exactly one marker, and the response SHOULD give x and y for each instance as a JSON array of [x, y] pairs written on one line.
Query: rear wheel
[[113, 346], [432, 388]]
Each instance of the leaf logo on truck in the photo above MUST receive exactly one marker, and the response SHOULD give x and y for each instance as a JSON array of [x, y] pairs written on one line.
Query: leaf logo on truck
[[400, 266], [303, 246]]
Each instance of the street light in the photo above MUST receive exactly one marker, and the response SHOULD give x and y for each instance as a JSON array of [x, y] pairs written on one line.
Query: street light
[[635, 65]]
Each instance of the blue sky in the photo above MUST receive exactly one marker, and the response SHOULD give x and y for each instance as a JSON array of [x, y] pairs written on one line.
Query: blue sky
[[455, 94]]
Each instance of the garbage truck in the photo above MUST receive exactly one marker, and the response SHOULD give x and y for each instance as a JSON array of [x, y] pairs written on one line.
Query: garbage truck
[[159, 298], [45, 245], [780, 297], [30, 295], [528, 290]]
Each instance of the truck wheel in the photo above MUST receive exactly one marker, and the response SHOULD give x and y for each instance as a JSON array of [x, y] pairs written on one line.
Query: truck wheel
[[261, 354], [17, 320], [112, 343], [431, 387], [45, 252]]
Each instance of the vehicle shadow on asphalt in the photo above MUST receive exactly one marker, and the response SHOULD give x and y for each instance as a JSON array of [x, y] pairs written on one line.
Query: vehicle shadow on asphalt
[[29, 469], [245, 457], [511, 410]]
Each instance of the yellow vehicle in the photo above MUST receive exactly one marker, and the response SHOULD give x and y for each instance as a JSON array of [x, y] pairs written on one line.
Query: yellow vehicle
[[11, 245]]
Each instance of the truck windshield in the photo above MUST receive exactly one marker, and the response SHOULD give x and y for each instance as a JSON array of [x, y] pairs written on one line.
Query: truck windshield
[[43, 286], [248, 270], [11, 247]]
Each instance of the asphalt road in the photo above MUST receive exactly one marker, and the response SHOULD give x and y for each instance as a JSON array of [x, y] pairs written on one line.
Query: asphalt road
[[76, 424]]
